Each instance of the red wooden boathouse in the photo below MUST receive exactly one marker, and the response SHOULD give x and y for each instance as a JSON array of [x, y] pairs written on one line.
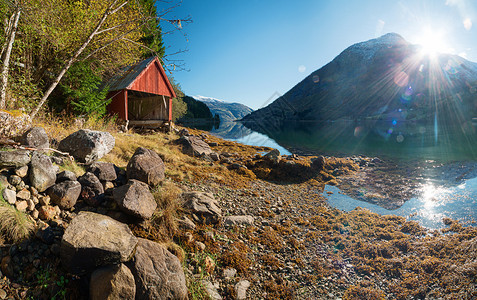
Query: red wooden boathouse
[[142, 94]]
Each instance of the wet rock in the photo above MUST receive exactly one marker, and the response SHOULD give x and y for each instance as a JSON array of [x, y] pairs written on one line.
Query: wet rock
[[10, 196], [92, 190], [35, 137], [203, 207], [158, 272], [14, 159], [238, 220], [87, 146], [135, 199], [194, 146], [66, 176], [103, 170], [65, 193], [111, 283], [145, 165], [241, 289], [42, 172], [92, 240]]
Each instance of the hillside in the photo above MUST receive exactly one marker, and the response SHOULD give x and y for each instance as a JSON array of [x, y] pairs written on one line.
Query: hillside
[[228, 112], [381, 78]]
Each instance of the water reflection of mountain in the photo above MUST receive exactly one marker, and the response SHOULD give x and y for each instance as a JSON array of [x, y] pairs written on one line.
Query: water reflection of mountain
[[231, 130]]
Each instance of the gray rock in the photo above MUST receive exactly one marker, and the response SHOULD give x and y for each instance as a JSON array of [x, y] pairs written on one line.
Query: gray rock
[[87, 146], [238, 220], [14, 159], [35, 137], [241, 289], [185, 223], [66, 176], [146, 166], [158, 272], [103, 170], [65, 194], [184, 132], [194, 146], [42, 172], [14, 180], [212, 290], [10, 196], [229, 273], [92, 190], [92, 240], [21, 205], [12, 125], [203, 207], [23, 195], [22, 171], [273, 156], [318, 163], [134, 198], [214, 156], [111, 283]]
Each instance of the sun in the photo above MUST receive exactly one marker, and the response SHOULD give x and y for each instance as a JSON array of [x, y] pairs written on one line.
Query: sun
[[432, 42]]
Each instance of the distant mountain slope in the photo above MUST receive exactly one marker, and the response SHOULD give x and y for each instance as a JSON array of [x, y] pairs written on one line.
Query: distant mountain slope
[[228, 112], [383, 78]]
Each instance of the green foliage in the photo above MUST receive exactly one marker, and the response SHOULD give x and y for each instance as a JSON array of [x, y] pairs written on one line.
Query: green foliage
[[14, 224], [152, 33], [179, 108], [81, 89], [196, 109]]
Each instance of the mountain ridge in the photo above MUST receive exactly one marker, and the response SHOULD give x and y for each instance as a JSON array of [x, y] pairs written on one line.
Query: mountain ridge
[[378, 79], [227, 111]]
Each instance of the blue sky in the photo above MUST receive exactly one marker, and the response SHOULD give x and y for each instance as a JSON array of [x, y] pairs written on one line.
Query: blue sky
[[251, 51]]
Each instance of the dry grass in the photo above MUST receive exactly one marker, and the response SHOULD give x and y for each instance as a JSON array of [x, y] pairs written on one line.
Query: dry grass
[[15, 225]]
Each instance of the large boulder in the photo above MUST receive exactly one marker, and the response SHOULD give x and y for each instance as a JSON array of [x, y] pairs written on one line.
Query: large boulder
[[15, 158], [42, 172], [92, 191], [146, 165], [103, 170], [112, 283], [65, 194], [134, 198], [66, 176], [13, 124], [203, 207], [195, 146], [92, 240], [87, 146], [35, 137], [158, 272]]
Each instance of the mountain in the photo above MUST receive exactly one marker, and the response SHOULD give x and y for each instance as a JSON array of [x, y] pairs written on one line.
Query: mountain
[[228, 112], [380, 79]]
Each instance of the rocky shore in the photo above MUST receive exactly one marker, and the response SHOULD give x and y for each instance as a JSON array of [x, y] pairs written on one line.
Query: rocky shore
[[187, 215]]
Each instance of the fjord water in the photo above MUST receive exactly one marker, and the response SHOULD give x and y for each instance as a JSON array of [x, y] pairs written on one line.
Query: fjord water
[[445, 153]]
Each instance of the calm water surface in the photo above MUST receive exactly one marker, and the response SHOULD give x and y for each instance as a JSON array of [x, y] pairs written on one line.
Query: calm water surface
[[393, 140]]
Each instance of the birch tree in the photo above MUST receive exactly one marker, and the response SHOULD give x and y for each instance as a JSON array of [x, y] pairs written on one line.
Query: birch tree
[[10, 32]]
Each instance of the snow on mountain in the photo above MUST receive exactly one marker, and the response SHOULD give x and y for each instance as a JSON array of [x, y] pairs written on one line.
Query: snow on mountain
[[228, 112]]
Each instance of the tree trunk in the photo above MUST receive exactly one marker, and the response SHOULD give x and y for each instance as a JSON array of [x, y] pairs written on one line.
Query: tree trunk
[[6, 62], [109, 11]]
